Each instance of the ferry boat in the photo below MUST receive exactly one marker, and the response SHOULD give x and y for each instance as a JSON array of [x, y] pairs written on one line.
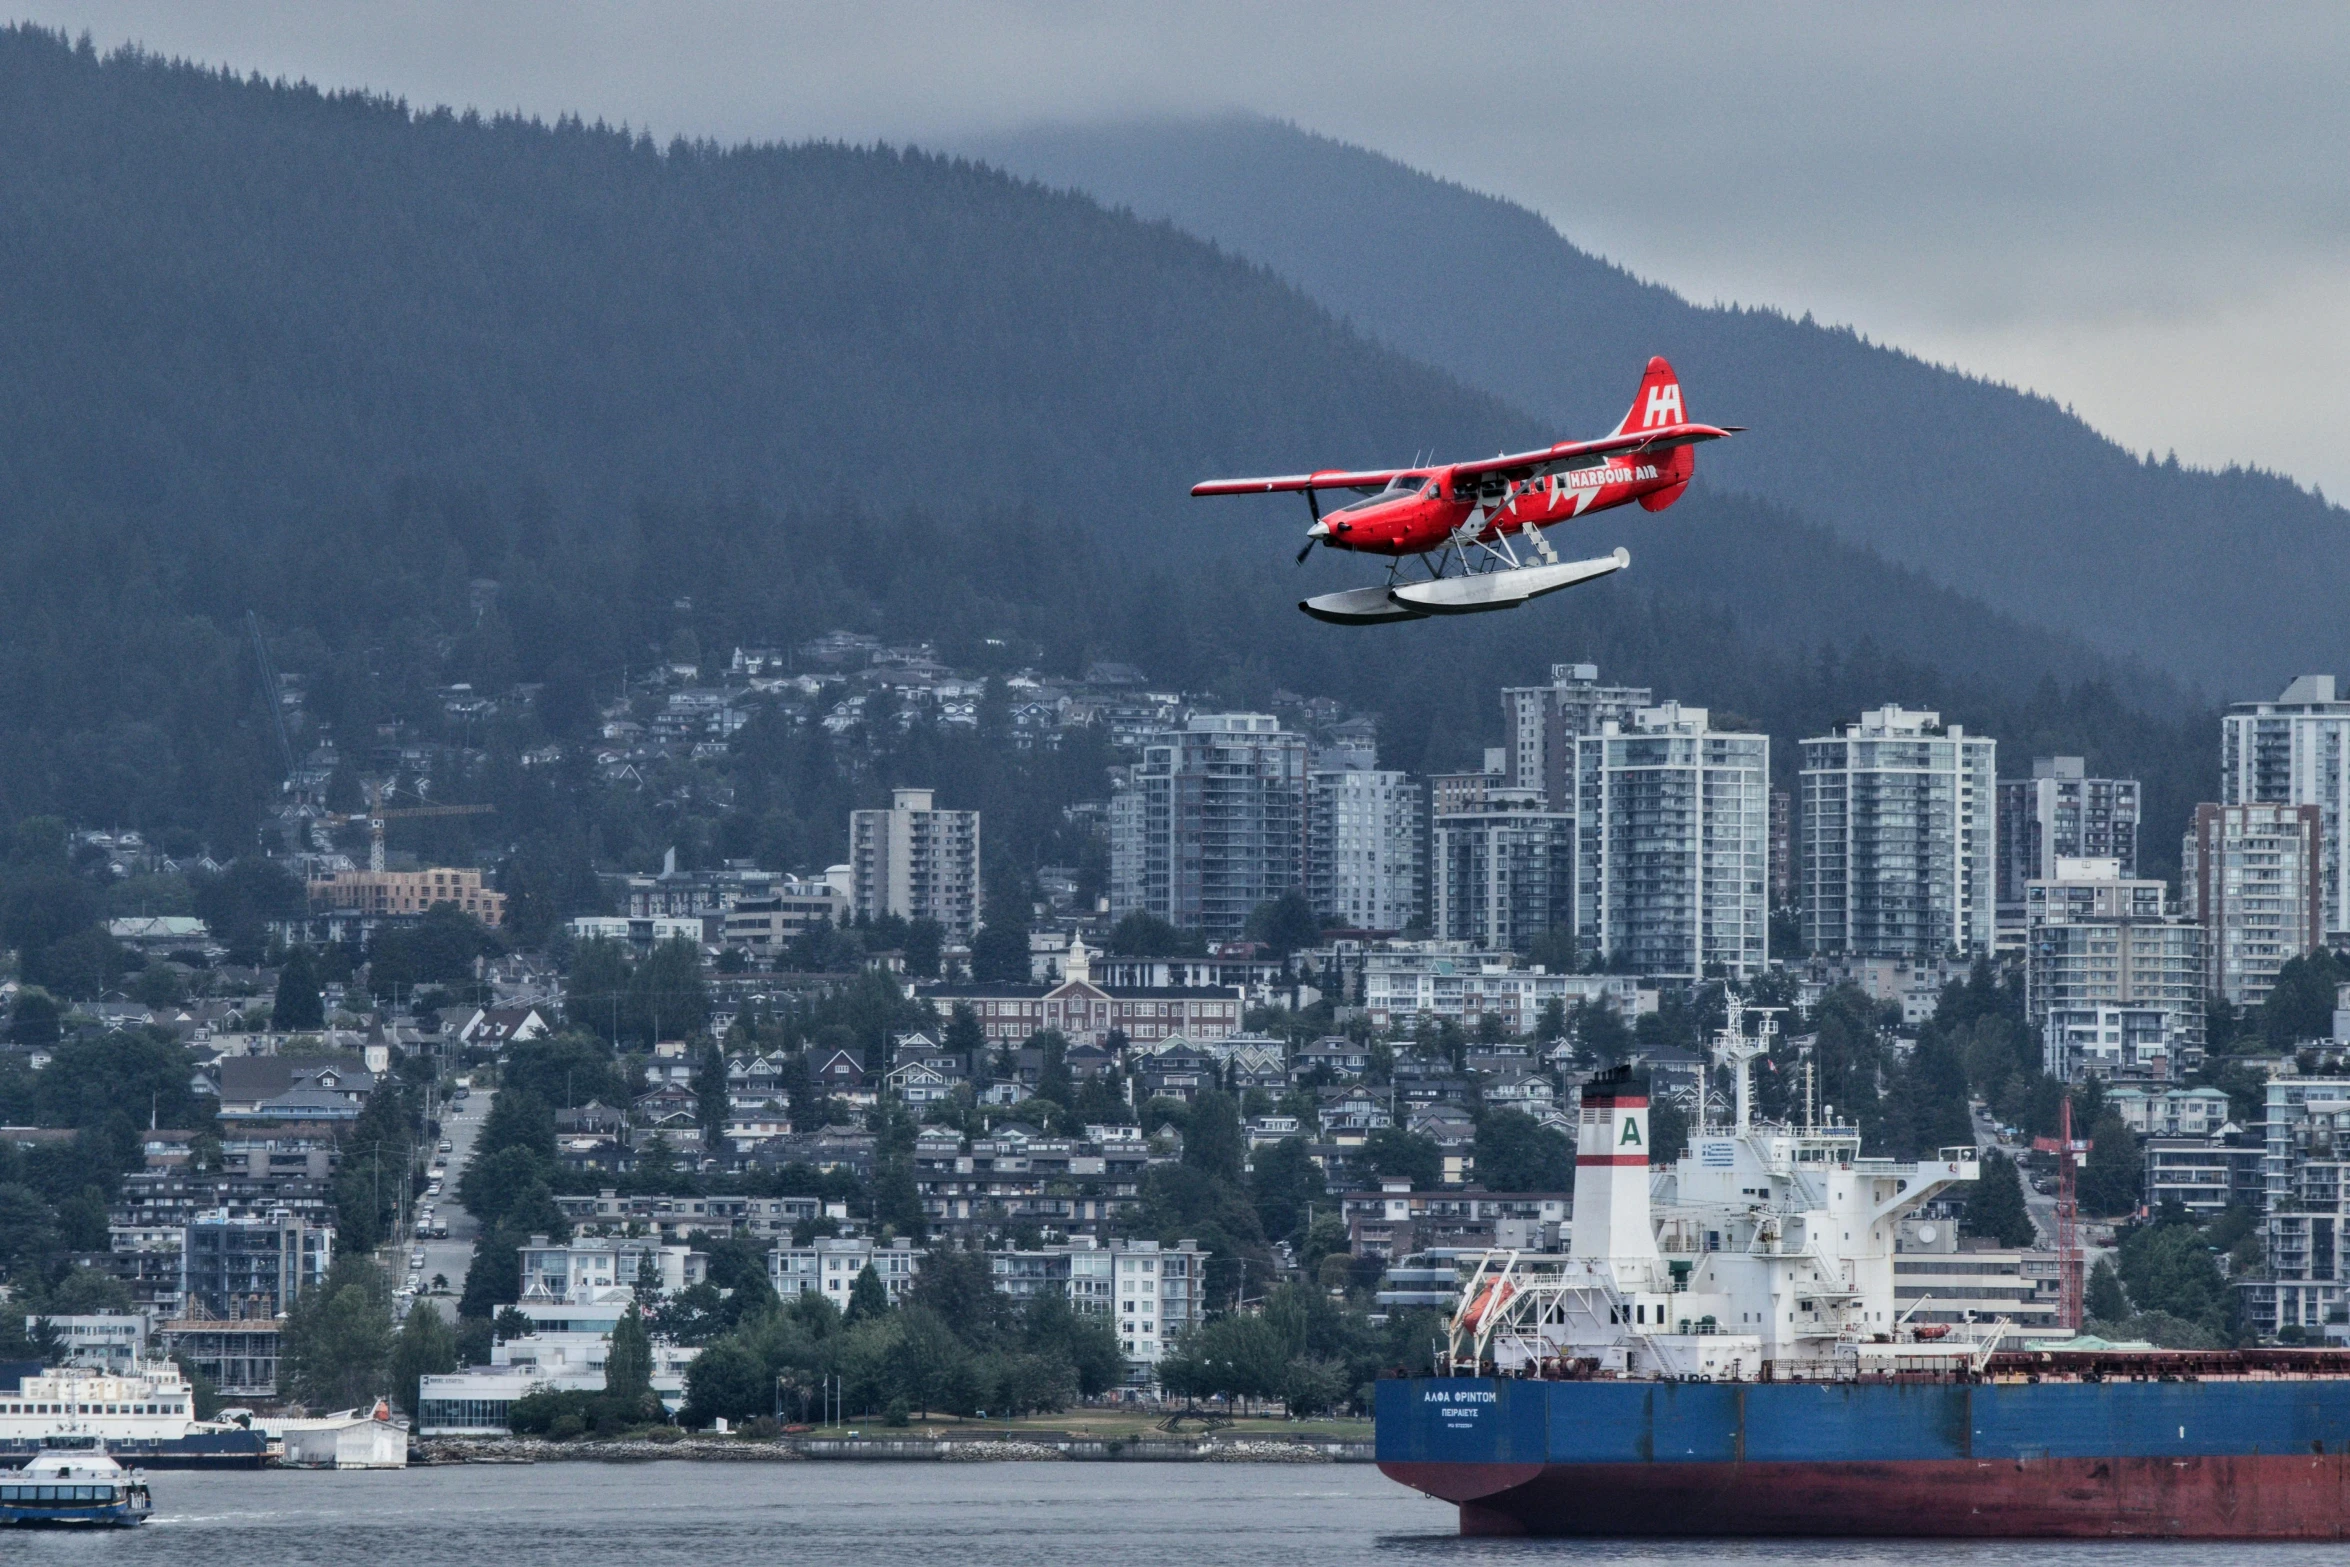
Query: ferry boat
[[67, 1487], [1718, 1353], [146, 1415]]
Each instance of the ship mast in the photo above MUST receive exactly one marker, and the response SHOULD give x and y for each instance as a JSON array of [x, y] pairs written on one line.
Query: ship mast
[[1736, 1049]]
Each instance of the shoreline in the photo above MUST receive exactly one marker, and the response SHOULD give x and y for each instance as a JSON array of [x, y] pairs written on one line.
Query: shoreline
[[443, 1451]]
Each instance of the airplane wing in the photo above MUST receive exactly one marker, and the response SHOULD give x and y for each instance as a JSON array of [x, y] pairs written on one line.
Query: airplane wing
[[1576, 454], [1327, 479]]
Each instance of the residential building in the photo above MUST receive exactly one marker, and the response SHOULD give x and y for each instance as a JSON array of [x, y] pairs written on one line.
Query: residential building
[[2204, 1175], [563, 1271], [2062, 813], [240, 1356], [1332, 1058], [2099, 949], [1782, 849], [1937, 1280], [146, 1257], [1396, 1221], [1018, 1174], [1085, 1012], [2175, 1112], [1673, 829], [1502, 873], [2142, 1044], [1898, 820], [1219, 826], [1162, 1293], [699, 895], [2296, 751], [1454, 982], [1543, 724], [1430, 1281], [480, 1401], [916, 862], [106, 1340], [2253, 877], [1449, 793], [668, 1220], [1351, 1113], [829, 1267], [1363, 853], [642, 934], [765, 926], [389, 894], [1082, 1269], [247, 1266], [2305, 1159]]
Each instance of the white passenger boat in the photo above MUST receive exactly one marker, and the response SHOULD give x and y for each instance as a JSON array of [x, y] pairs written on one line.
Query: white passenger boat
[[69, 1487]]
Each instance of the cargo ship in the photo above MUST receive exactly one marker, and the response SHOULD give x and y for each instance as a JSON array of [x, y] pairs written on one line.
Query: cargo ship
[[144, 1416], [1717, 1352]]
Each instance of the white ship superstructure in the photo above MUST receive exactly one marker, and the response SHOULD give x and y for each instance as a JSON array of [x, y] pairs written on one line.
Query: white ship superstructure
[[1765, 1252], [150, 1403]]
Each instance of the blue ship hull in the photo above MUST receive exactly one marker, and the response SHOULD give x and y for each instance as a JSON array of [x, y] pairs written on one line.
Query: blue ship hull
[[2234, 1458], [110, 1515], [200, 1450]]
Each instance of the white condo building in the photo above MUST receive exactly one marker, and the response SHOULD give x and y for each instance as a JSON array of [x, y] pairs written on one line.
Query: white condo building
[[2060, 813], [2252, 876], [1673, 822], [1899, 825], [1363, 856], [1544, 723], [1210, 823], [1501, 871], [916, 862], [2112, 983], [2296, 751]]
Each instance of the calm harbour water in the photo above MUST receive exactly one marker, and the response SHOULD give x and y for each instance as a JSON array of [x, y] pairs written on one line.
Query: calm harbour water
[[916, 1515]]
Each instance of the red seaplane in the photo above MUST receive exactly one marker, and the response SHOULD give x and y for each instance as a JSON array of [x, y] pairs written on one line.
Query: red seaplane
[[1462, 521]]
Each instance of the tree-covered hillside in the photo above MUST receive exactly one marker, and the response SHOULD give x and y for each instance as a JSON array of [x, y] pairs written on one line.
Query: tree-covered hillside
[[444, 399], [2232, 580]]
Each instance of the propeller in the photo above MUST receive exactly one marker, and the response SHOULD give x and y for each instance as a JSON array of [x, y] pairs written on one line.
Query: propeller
[[1316, 533]]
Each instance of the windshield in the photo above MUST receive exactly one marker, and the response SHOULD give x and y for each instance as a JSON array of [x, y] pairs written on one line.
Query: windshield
[[1398, 488]]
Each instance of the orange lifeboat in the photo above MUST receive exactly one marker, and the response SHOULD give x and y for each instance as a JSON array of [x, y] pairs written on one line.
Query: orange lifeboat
[[1489, 1299]]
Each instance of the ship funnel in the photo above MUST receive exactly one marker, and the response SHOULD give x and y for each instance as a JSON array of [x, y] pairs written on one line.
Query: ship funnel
[[1611, 1171]]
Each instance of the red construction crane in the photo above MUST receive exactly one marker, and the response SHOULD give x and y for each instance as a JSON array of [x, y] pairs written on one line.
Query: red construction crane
[[2068, 1228]]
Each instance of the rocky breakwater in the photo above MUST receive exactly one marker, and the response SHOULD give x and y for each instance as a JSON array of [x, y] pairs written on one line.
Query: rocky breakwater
[[623, 1450], [886, 1449]]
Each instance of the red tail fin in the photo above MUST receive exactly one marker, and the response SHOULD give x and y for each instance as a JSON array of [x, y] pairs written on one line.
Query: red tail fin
[[1658, 402]]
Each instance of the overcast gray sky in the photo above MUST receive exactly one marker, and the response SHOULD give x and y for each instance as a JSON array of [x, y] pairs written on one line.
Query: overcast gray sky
[[2141, 210]]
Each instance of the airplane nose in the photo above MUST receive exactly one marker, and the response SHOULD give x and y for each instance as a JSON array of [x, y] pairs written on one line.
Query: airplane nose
[[1320, 530]]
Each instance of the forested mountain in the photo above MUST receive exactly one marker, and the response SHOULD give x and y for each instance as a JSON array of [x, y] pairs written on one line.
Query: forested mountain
[[2233, 580], [442, 398]]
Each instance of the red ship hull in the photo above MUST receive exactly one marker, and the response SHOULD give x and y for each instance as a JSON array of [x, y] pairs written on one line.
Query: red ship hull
[[2235, 1497]]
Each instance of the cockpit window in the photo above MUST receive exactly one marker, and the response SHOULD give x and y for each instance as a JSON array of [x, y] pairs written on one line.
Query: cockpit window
[[1401, 487]]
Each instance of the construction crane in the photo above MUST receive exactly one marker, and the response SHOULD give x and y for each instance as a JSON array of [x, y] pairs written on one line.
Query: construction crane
[[376, 816], [2068, 1227]]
